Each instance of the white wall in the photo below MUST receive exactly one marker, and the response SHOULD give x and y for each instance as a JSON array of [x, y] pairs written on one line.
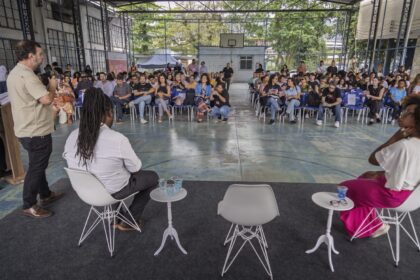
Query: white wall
[[216, 59]]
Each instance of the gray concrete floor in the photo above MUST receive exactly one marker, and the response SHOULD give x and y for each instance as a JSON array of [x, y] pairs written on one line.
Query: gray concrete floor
[[244, 149]]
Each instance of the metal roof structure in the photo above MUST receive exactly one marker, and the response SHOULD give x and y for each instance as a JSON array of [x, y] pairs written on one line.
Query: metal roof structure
[[205, 7]]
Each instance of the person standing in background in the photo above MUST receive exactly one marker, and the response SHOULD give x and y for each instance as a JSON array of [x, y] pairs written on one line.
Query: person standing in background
[[203, 68], [33, 107], [3, 78], [227, 74]]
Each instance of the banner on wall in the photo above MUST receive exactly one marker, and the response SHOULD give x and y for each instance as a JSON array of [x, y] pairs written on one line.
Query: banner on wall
[[117, 62]]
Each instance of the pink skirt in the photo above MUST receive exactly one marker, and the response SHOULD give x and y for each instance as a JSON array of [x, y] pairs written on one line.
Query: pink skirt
[[368, 194]]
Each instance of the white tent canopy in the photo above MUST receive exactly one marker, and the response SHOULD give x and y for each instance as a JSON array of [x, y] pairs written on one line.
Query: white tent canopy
[[158, 61]]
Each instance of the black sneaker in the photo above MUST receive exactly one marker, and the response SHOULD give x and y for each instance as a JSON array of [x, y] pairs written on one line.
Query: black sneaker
[[219, 117], [370, 123], [225, 119], [272, 121], [293, 121], [378, 120]]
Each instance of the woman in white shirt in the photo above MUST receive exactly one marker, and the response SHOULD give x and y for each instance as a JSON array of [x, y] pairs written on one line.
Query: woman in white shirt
[[399, 159]]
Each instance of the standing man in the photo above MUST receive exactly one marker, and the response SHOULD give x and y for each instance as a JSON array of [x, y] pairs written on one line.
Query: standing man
[[228, 73], [192, 68], [332, 69], [203, 68], [321, 68], [33, 116]]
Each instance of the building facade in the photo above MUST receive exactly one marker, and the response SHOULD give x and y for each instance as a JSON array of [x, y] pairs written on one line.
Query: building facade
[[53, 24]]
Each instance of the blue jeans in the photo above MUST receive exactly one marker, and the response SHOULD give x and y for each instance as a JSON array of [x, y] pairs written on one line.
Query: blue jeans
[[291, 105], [337, 112], [143, 101], [223, 111], [118, 106], [273, 103], [162, 105]]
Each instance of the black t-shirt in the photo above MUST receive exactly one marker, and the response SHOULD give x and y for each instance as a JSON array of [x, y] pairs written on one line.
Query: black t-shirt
[[274, 89], [142, 87], [228, 72], [331, 97], [374, 91], [218, 102]]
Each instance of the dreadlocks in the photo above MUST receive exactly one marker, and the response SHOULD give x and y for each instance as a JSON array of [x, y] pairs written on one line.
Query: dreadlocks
[[96, 105]]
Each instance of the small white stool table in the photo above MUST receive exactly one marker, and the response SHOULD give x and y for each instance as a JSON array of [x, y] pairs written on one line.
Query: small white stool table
[[160, 195], [323, 199]]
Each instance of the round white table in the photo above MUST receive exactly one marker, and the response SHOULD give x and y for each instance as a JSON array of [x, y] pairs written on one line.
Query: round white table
[[160, 195], [323, 199]]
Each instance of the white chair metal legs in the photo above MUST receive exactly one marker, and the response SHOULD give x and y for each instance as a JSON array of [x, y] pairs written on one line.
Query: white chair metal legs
[[248, 208], [394, 216], [92, 192]]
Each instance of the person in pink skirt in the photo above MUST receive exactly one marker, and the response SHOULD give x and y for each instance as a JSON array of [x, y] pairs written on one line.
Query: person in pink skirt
[[399, 159]]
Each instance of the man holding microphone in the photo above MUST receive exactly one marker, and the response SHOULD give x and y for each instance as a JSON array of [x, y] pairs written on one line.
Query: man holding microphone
[[33, 110]]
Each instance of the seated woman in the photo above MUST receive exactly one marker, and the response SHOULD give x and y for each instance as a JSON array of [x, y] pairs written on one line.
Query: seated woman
[[202, 95], [374, 95], [65, 99], [261, 90], [178, 90], [273, 92], [292, 99], [399, 158], [163, 94]]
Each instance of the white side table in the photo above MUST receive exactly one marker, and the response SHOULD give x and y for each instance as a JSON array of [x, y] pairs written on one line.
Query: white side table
[[160, 195], [323, 199]]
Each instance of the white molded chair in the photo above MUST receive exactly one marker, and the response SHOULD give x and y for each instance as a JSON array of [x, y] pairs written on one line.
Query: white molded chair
[[394, 216], [248, 208], [91, 191]]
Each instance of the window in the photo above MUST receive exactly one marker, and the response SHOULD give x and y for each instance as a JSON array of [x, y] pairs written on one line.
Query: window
[[116, 36], [95, 31], [9, 14], [62, 47], [7, 53], [245, 63], [98, 61], [60, 10]]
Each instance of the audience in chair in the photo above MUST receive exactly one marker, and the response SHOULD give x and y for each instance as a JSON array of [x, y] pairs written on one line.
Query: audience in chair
[[292, 99], [331, 98], [108, 155], [220, 99], [163, 95], [374, 95], [399, 158], [121, 96], [142, 93]]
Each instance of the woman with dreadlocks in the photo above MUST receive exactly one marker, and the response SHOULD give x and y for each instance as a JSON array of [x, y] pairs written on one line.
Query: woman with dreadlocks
[[108, 155]]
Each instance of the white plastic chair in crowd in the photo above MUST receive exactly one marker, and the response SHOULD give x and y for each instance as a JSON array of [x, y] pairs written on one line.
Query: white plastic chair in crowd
[[91, 191], [248, 208], [394, 216]]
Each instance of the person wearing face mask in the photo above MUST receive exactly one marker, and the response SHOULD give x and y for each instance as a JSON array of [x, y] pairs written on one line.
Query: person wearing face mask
[[33, 107], [399, 158], [108, 155]]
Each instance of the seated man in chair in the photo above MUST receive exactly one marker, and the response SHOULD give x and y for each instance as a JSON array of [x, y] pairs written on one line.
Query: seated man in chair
[[108, 155]]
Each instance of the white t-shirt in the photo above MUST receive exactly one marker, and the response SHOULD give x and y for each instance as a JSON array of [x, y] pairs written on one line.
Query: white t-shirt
[[113, 158], [401, 162]]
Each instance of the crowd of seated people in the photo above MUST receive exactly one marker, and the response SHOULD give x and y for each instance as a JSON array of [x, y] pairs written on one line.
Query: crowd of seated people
[[281, 92], [177, 86]]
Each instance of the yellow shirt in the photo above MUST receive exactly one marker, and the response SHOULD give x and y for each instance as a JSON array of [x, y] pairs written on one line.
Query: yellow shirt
[[30, 117]]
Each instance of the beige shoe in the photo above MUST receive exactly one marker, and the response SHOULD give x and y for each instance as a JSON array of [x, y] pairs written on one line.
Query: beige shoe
[[381, 230]]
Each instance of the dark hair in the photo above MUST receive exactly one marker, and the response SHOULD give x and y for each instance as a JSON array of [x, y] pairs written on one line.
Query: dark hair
[[120, 76], [164, 76], [270, 82], [96, 105], [207, 76], [24, 48], [414, 100]]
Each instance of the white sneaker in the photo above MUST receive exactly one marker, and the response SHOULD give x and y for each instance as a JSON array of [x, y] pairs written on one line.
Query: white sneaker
[[337, 124], [381, 231], [393, 122], [131, 104], [306, 116], [318, 122], [143, 121]]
